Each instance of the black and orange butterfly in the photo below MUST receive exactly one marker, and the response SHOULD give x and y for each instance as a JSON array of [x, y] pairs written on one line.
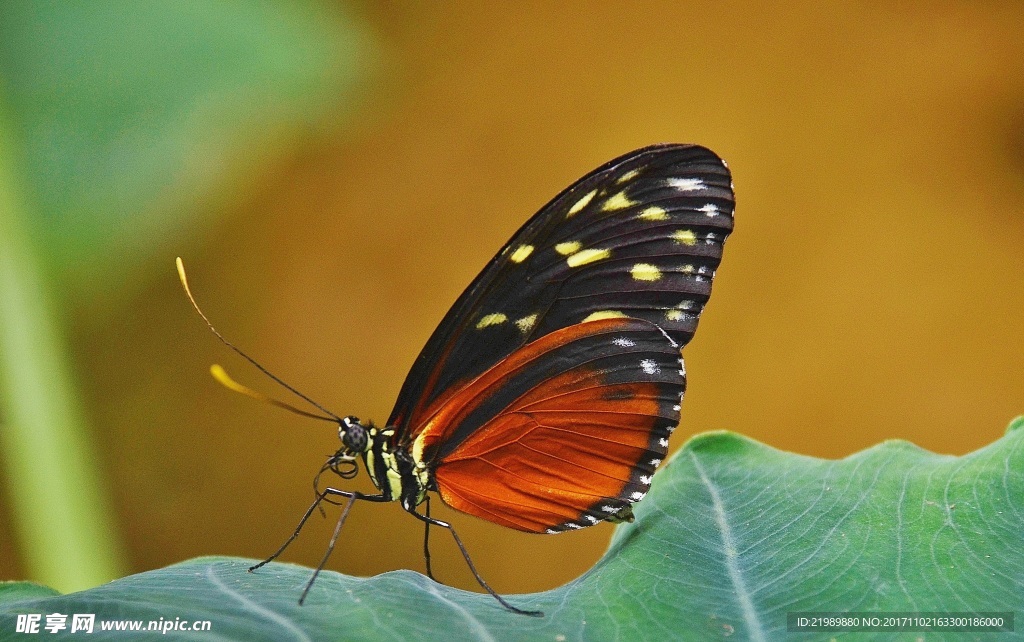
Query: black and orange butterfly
[[545, 399]]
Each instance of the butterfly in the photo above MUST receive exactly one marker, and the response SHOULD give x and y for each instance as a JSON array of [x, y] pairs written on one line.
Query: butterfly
[[545, 398]]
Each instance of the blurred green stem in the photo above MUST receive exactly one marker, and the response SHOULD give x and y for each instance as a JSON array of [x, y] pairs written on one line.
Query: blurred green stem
[[62, 519]]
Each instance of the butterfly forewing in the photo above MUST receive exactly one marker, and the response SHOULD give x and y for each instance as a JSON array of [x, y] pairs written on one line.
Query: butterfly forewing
[[639, 237]]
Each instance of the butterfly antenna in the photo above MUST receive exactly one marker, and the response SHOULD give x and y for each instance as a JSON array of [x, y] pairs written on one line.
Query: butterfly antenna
[[222, 377], [225, 380]]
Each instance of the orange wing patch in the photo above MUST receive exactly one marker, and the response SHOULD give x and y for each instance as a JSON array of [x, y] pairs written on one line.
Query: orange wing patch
[[576, 447]]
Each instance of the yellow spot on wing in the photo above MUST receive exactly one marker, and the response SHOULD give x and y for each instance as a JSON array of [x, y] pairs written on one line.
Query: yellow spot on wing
[[674, 315], [491, 319], [645, 272], [568, 247], [580, 204], [617, 202], [686, 237], [628, 176], [653, 213], [587, 256], [604, 314], [521, 253], [526, 323]]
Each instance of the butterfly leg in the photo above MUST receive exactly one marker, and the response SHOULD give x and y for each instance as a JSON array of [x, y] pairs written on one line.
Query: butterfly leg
[[352, 496], [426, 542], [302, 522], [469, 562]]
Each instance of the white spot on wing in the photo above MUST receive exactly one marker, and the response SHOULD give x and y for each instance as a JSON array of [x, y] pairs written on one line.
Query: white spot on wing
[[645, 480], [637, 496], [710, 209], [650, 366], [655, 462], [686, 184], [663, 442], [610, 509], [623, 342]]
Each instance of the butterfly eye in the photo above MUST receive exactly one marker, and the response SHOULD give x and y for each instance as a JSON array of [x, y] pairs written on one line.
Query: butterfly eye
[[353, 434]]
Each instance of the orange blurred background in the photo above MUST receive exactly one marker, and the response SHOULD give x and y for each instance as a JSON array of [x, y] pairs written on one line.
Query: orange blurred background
[[873, 288]]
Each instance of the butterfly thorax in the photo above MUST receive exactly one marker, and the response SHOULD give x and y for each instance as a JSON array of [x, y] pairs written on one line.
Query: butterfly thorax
[[392, 469]]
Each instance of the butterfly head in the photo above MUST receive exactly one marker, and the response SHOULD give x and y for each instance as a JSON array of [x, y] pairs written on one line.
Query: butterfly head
[[355, 438]]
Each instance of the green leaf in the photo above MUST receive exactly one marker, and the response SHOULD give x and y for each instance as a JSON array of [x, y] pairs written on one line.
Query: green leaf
[[20, 591], [733, 535]]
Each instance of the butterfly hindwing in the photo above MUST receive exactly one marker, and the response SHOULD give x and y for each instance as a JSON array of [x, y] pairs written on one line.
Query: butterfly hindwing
[[639, 237], [563, 433]]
